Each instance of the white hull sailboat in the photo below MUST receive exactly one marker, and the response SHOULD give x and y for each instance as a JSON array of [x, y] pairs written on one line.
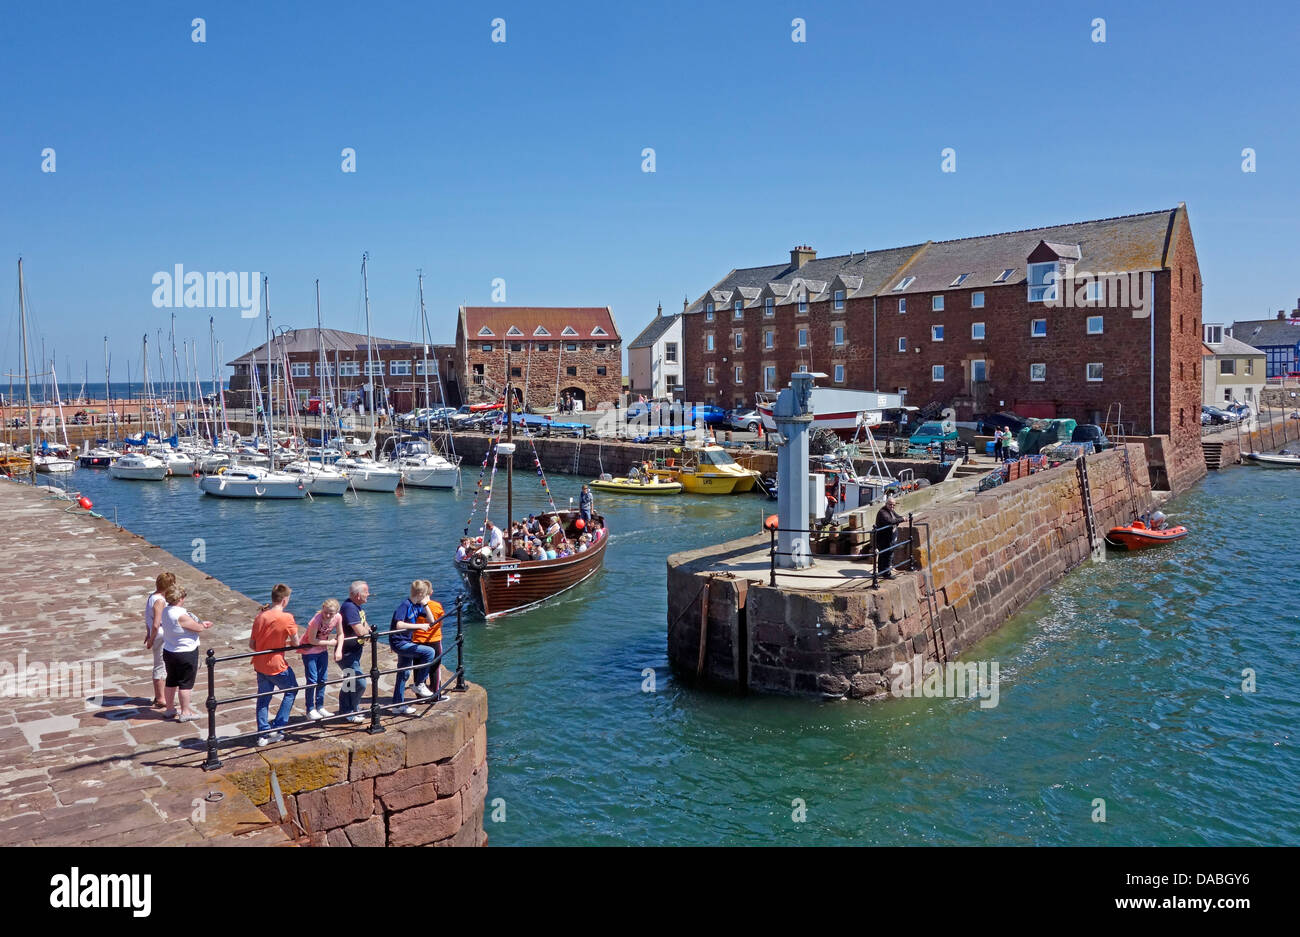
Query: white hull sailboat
[[136, 467], [318, 479], [53, 465], [369, 475], [429, 471], [253, 482]]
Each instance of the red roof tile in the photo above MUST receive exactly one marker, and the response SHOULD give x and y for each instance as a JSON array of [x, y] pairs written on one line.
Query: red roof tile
[[586, 321]]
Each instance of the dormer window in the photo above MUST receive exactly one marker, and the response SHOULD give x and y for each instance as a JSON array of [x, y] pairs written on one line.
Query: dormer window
[[739, 309], [598, 330], [839, 299], [569, 330], [803, 304], [961, 278], [1042, 282], [540, 331], [904, 284], [1004, 275], [485, 332], [769, 306], [708, 312], [1214, 335], [514, 330]]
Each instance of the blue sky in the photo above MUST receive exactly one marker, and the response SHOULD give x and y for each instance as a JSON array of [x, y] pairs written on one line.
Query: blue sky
[[522, 159]]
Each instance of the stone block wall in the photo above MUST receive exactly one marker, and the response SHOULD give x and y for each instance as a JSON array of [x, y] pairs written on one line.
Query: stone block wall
[[421, 783], [986, 557]]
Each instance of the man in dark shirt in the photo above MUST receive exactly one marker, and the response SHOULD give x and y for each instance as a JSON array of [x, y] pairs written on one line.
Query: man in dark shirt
[[887, 519], [521, 552], [354, 628]]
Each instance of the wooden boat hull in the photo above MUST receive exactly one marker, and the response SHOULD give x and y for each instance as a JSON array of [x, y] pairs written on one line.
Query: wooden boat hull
[[627, 486], [504, 587], [1143, 538]]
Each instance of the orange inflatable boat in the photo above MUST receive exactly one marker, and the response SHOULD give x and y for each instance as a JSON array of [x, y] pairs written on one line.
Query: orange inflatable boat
[[1138, 536]]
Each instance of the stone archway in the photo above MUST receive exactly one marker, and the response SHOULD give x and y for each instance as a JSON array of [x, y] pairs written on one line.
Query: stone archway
[[579, 393]]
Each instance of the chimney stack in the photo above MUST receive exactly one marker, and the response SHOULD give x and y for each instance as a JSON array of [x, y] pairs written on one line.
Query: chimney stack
[[1281, 315], [801, 255]]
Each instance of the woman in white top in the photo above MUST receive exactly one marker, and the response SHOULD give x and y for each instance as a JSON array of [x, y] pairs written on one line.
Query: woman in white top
[[181, 633], [153, 612]]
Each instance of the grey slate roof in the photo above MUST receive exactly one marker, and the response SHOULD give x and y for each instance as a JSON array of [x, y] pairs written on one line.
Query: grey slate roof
[[1126, 244], [651, 333], [1271, 332], [1232, 346], [306, 340]]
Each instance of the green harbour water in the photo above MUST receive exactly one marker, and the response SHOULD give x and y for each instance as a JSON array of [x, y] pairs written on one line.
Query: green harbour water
[[1122, 682]]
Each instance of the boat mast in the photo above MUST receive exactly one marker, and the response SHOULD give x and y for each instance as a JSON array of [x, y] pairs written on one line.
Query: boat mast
[[424, 338], [108, 392], [27, 380], [270, 393], [320, 354], [144, 389], [365, 291], [510, 456]]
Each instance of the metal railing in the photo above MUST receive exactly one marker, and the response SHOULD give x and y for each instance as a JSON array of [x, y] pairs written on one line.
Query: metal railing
[[377, 709], [910, 563]]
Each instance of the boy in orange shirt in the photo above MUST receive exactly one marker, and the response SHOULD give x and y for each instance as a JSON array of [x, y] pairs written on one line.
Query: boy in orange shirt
[[273, 630]]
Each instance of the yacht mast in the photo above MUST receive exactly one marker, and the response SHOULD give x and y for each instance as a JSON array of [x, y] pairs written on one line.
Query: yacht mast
[[365, 290], [27, 380], [108, 392], [270, 393]]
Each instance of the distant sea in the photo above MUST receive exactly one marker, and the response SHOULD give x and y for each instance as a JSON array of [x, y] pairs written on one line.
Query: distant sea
[[121, 390]]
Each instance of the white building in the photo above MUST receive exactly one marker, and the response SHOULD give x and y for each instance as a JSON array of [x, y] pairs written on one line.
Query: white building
[[1232, 371], [655, 360]]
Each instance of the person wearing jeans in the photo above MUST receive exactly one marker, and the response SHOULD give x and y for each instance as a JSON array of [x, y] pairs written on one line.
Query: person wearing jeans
[[321, 643], [268, 684], [355, 630], [415, 612], [274, 630]]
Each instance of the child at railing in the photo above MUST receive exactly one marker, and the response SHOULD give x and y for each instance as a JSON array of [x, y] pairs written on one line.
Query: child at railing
[[319, 644], [274, 628], [181, 632]]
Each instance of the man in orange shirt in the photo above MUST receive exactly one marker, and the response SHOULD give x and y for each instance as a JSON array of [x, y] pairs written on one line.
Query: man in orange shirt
[[274, 630]]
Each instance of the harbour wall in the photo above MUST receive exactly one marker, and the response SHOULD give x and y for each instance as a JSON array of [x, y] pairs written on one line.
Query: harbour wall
[[986, 557], [1265, 438], [84, 759]]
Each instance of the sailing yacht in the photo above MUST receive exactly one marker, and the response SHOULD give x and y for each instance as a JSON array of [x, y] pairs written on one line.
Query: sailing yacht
[[368, 475], [251, 481], [138, 466], [319, 479]]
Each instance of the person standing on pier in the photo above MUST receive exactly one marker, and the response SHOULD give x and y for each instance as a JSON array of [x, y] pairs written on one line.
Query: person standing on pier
[[273, 630], [153, 620], [355, 631], [181, 632], [887, 519]]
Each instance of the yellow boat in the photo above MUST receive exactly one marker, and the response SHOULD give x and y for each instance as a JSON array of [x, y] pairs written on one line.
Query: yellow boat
[[706, 470], [641, 484]]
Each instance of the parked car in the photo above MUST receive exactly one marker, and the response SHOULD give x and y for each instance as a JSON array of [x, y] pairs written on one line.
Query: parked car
[[933, 431], [746, 419], [1218, 416], [1091, 432], [986, 423]]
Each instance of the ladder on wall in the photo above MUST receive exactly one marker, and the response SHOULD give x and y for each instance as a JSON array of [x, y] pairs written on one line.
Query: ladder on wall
[[1095, 546]]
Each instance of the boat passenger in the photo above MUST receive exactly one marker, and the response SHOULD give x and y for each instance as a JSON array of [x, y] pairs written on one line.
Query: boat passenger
[[533, 526], [496, 543], [582, 543], [554, 531], [153, 615], [520, 552], [463, 551], [410, 653]]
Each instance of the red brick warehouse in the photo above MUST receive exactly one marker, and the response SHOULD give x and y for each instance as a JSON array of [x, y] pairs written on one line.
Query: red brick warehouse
[[1012, 321], [553, 350]]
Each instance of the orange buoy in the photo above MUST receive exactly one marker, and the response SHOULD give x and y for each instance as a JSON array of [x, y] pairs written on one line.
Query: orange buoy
[[580, 523], [772, 522], [85, 503]]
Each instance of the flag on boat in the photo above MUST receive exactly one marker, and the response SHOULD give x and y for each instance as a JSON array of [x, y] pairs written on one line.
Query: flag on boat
[[511, 578]]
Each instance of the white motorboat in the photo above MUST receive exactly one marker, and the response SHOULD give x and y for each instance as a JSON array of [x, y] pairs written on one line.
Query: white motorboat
[[253, 482], [177, 462], [136, 466], [98, 458], [369, 475], [319, 479], [429, 470], [53, 464], [210, 462], [1283, 458]]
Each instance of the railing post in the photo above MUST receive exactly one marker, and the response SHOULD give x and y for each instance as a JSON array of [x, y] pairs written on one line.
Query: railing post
[[772, 559], [461, 686], [375, 725], [875, 559], [213, 762], [911, 542]]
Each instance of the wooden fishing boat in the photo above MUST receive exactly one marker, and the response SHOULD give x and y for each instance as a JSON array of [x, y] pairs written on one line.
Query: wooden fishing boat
[[498, 587], [501, 587], [706, 470], [641, 485], [1138, 536]]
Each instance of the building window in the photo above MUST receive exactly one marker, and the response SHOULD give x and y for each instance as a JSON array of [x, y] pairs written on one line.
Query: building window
[[1038, 328], [544, 346], [600, 370], [670, 381], [803, 305], [349, 369], [601, 346], [1250, 369], [374, 369], [839, 299], [670, 351], [1213, 334], [1094, 371], [936, 303], [516, 372], [904, 284], [708, 375], [961, 278], [1038, 372], [839, 374], [839, 335], [399, 369], [739, 306], [516, 346], [329, 369], [977, 331], [300, 369], [486, 346], [740, 374], [1096, 291], [936, 372], [740, 341], [902, 344], [769, 306], [769, 340], [803, 338], [902, 305], [1095, 325], [769, 378], [1227, 366], [977, 299], [571, 370], [1180, 370], [936, 333], [708, 342], [708, 312], [1004, 275], [1042, 282], [570, 346]]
